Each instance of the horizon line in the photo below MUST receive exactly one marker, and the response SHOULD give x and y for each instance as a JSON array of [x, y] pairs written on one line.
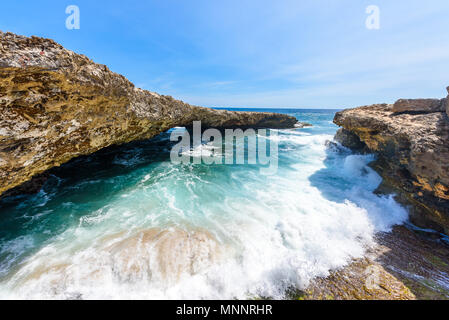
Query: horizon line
[[292, 108]]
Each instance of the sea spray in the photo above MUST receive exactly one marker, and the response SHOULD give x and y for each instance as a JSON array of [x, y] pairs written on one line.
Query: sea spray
[[131, 224]]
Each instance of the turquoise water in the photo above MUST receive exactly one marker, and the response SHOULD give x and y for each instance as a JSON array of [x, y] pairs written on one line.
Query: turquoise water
[[128, 223]]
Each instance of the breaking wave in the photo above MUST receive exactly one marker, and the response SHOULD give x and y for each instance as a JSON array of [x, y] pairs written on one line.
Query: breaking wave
[[133, 226]]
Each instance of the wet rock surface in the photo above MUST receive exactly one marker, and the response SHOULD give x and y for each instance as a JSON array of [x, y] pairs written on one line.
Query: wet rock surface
[[349, 140], [57, 105], [410, 140], [404, 265], [412, 151]]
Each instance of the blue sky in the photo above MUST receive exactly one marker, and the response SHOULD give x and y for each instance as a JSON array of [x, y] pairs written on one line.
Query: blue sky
[[289, 53]]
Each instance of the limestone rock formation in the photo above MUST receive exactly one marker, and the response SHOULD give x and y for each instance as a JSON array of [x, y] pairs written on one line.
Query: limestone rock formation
[[447, 102], [402, 265], [413, 153], [349, 140], [56, 105], [419, 105]]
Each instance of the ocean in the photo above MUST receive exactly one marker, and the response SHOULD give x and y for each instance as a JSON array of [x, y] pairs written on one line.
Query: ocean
[[127, 223]]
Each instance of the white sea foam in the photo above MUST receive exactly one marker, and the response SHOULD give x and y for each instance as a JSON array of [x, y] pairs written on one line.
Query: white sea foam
[[243, 234]]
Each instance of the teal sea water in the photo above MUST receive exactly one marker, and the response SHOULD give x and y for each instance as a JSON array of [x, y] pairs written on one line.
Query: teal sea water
[[127, 223]]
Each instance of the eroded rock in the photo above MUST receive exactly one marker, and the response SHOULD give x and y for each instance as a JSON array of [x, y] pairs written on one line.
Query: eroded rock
[[349, 140], [402, 265], [57, 105], [419, 105], [413, 153], [447, 102]]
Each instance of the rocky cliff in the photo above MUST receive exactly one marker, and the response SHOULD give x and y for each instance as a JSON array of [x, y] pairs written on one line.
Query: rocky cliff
[[56, 105], [410, 139]]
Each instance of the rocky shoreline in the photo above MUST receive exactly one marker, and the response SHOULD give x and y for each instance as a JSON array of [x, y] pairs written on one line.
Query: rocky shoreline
[[405, 264], [409, 139], [57, 105]]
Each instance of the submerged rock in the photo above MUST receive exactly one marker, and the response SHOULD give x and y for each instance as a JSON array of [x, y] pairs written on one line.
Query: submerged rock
[[155, 256], [413, 153], [57, 105]]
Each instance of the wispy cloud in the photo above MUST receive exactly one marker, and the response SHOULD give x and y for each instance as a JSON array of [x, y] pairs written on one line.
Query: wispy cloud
[[258, 53]]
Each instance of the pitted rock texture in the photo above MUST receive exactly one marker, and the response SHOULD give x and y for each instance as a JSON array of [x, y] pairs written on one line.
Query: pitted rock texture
[[349, 140], [56, 105], [404, 264], [447, 102], [419, 105], [413, 153]]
